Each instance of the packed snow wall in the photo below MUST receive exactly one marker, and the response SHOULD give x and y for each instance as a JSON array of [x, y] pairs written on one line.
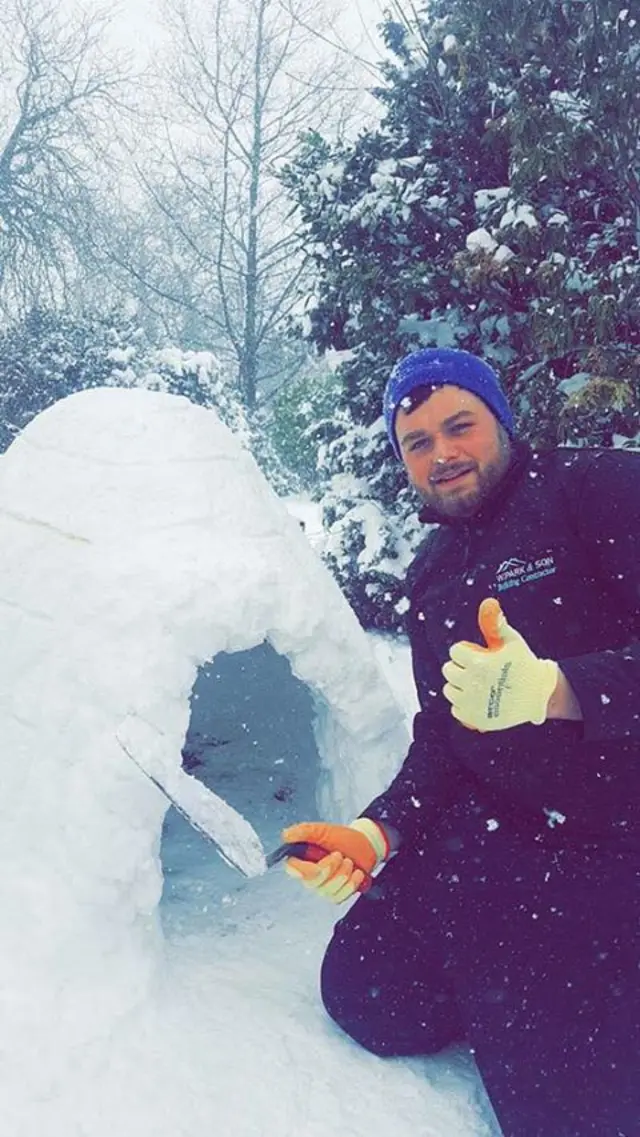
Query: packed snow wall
[[139, 543]]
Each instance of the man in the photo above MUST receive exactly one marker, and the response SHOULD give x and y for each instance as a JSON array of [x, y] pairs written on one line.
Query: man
[[507, 913]]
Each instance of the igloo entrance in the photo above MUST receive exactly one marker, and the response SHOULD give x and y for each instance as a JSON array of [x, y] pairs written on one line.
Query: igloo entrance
[[250, 739]]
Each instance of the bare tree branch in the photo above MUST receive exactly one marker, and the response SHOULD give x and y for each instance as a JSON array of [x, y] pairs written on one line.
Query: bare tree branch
[[246, 83], [59, 96]]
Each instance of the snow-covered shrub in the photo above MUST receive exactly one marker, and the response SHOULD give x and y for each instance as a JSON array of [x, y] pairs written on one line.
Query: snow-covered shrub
[[50, 355], [371, 525]]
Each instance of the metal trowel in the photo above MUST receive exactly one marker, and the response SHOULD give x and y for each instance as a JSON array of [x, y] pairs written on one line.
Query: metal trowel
[[233, 837]]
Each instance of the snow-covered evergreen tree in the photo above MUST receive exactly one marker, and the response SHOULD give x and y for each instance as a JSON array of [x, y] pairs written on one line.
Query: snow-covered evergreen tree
[[496, 208]]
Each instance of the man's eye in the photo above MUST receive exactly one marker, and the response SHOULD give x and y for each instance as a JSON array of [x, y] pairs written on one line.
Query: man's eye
[[419, 444], [460, 427]]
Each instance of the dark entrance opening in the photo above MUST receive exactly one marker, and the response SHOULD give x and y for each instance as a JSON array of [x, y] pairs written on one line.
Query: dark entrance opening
[[250, 739]]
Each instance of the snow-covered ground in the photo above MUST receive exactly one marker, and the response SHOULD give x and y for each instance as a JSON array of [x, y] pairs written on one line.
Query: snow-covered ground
[[149, 990]]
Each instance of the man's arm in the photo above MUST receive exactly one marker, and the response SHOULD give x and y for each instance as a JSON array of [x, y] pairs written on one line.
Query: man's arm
[[394, 837], [504, 684], [430, 779], [563, 703], [605, 686]]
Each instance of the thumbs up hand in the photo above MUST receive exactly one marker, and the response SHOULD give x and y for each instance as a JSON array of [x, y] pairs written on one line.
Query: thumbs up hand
[[501, 685]]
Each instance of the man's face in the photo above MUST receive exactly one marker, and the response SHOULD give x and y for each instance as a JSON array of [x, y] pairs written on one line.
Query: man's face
[[454, 449]]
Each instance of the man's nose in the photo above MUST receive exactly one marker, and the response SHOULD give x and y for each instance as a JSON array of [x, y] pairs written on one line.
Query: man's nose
[[445, 449]]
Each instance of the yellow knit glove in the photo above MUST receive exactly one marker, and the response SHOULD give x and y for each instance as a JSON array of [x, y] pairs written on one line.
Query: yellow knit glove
[[353, 852], [501, 685]]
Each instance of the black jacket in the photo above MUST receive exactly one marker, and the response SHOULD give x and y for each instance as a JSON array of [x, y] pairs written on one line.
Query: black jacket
[[558, 542]]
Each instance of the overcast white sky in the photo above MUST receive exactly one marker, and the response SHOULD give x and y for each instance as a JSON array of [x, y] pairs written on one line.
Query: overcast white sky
[[137, 28], [136, 24]]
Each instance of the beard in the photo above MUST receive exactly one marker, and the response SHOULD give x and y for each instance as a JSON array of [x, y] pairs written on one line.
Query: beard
[[466, 499]]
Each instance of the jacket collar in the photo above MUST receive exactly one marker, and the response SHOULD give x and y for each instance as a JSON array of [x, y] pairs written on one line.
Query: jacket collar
[[521, 456]]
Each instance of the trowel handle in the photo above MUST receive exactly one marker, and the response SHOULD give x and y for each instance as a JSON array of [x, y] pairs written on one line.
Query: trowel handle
[[306, 851]]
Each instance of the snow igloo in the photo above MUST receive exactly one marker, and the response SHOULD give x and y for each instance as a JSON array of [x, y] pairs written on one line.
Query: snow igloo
[[149, 573]]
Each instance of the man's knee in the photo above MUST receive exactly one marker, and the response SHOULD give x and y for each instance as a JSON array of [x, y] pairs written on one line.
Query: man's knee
[[349, 991], [380, 998], [352, 1007]]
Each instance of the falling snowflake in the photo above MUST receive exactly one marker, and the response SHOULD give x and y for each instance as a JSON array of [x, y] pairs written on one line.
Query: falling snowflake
[[554, 817]]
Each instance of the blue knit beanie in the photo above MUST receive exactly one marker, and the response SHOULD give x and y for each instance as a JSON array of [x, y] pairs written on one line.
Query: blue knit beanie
[[435, 367]]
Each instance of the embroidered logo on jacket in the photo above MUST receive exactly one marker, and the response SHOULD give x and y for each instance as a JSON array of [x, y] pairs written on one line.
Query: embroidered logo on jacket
[[516, 571]]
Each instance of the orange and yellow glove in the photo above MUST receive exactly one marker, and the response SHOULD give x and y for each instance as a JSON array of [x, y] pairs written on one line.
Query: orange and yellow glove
[[353, 852], [501, 685]]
